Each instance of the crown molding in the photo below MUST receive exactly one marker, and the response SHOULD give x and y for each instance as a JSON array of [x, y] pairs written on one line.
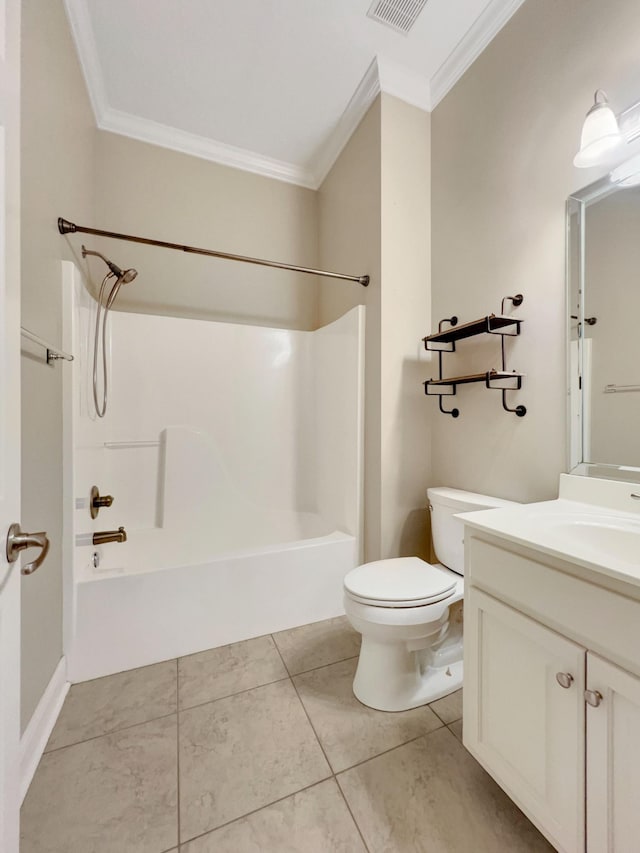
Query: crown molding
[[367, 91], [146, 130], [87, 50], [485, 28], [406, 85], [155, 133], [382, 75]]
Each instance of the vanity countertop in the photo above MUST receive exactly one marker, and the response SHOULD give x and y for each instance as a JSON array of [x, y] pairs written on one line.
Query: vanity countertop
[[602, 538]]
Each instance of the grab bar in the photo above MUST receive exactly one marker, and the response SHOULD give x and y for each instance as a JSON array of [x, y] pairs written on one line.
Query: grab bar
[[616, 389], [53, 354]]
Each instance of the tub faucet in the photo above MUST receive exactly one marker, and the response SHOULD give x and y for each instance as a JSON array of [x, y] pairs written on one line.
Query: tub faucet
[[103, 536]]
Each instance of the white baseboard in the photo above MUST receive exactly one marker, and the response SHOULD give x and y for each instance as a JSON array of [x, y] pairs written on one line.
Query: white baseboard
[[36, 735]]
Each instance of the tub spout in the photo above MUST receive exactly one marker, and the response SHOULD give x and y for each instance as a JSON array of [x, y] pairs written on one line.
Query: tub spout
[[103, 536]]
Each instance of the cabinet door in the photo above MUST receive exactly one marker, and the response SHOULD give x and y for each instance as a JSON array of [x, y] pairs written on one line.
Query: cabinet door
[[521, 724], [613, 759]]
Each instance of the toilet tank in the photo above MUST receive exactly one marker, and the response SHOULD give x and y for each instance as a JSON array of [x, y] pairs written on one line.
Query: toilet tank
[[448, 531]]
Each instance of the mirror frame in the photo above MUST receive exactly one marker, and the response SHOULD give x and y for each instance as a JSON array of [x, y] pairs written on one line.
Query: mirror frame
[[576, 206]]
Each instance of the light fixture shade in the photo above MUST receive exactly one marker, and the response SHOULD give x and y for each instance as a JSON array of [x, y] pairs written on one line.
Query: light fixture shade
[[600, 134]]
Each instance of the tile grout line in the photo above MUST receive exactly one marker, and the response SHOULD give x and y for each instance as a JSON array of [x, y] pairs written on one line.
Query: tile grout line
[[237, 693], [277, 648], [306, 713], [111, 732], [123, 671], [324, 665], [391, 748], [366, 761], [435, 702], [259, 809], [326, 757], [349, 809]]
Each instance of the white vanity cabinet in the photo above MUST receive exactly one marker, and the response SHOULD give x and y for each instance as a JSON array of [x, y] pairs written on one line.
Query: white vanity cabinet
[[551, 709]]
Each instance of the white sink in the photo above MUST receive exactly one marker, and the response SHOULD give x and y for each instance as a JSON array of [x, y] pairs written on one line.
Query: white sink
[[611, 536], [593, 523]]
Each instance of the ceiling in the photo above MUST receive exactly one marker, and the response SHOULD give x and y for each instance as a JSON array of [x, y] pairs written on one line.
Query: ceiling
[[272, 86]]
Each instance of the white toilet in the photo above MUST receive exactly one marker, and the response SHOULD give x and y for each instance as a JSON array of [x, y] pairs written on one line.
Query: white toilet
[[411, 636]]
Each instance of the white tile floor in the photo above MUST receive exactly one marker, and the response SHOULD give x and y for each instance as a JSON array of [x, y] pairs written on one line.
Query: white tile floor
[[260, 747]]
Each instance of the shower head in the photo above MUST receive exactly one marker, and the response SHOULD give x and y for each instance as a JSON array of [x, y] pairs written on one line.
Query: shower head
[[127, 276], [123, 276]]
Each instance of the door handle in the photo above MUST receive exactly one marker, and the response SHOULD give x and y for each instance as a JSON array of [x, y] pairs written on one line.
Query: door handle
[[18, 541]]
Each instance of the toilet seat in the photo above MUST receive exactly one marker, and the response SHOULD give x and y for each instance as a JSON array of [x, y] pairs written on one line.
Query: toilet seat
[[400, 582]]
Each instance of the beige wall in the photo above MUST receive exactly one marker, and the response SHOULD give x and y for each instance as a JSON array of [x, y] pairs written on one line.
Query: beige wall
[[350, 240], [406, 317], [503, 143], [374, 218], [153, 192], [57, 179]]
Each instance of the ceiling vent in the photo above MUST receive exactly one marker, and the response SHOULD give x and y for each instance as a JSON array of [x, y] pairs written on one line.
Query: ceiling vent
[[400, 15]]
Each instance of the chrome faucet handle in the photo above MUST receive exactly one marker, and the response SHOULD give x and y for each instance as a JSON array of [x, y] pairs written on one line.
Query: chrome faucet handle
[[97, 501], [18, 541]]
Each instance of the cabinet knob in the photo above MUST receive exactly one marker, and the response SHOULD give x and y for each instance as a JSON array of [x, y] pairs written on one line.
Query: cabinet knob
[[564, 679], [593, 697]]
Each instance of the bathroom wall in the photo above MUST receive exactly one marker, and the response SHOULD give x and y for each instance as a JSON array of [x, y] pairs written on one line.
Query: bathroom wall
[[350, 227], [57, 177], [503, 144], [154, 192], [374, 218], [406, 318]]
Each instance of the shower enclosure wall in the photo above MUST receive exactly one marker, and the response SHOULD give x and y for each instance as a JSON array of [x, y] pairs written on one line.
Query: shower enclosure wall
[[233, 454]]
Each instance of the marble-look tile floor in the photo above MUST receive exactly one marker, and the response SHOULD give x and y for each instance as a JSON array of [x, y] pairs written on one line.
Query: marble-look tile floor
[[261, 747]]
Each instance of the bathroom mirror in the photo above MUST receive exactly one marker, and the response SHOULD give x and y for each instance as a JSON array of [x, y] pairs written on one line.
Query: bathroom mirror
[[603, 302]]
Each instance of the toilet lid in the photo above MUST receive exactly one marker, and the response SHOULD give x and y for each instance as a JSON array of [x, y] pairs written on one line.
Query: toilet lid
[[401, 582]]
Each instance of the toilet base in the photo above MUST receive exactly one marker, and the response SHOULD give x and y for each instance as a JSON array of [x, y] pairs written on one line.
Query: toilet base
[[432, 685], [395, 677]]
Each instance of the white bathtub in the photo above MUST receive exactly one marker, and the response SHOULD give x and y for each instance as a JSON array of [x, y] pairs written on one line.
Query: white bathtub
[[129, 616]]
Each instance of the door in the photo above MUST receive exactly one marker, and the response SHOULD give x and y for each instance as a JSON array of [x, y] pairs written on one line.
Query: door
[[9, 419], [524, 714], [613, 758]]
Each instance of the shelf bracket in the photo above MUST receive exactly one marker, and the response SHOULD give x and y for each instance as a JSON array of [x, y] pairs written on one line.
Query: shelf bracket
[[519, 411], [454, 412], [516, 300]]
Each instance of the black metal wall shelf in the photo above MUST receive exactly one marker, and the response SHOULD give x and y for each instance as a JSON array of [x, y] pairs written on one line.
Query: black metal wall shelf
[[445, 341], [492, 324]]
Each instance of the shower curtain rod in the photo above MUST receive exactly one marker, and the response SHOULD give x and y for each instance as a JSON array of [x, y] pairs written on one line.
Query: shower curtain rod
[[66, 227]]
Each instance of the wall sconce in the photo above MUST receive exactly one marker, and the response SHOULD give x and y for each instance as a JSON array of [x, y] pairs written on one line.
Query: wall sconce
[[601, 134]]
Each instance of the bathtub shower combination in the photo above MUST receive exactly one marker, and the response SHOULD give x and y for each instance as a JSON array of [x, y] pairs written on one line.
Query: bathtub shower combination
[[233, 454]]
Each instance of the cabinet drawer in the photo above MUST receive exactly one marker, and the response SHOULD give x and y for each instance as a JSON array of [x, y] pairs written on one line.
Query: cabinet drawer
[[599, 619]]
